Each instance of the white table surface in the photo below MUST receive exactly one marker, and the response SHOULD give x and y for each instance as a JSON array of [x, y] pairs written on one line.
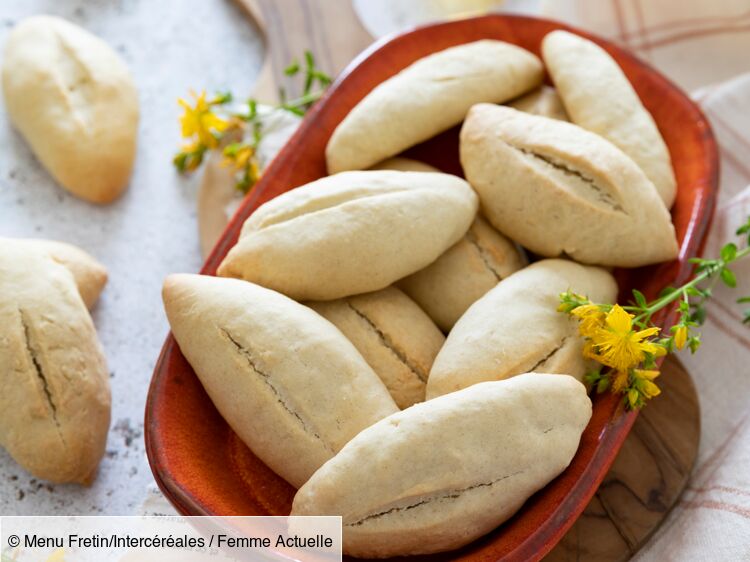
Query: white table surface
[[170, 46]]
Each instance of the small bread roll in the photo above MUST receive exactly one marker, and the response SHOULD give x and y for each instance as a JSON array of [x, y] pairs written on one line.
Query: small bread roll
[[55, 402], [291, 386], [427, 97], [351, 233], [466, 271], [544, 101], [516, 328], [558, 189], [598, 96], [90, 276], [445, 472], [73, 99], [396, 338]]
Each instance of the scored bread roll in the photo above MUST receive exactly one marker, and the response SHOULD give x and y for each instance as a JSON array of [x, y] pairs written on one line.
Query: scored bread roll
[[443, 473], [558, 189], [599, 97], [73, 99], [466, 271], [351, 233], [291, 386], [55, 402], [396, 338], [516, 328], [90, 275], [544, 101], [427, 97]]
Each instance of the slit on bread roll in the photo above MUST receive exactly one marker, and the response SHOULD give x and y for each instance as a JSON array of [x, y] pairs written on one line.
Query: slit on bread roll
[[73, 99], [427, 97], [465, 271], [396, 338], [291, 386], [598, 96], [90, 276], [516, 328], [351, 233], [556, 189], [55, 402], [443, 473], [447, 287]]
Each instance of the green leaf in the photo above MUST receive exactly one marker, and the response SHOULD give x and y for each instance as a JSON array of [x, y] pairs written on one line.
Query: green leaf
[[309, 59], [746, 319], [640, 298], [293, 68], [666, 291], [729, 252], [742, 300], [745, 228], [698, 315], [728, 277]]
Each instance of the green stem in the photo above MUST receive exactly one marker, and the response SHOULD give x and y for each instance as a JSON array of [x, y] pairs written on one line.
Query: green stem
[[303, 100], [677, 293]]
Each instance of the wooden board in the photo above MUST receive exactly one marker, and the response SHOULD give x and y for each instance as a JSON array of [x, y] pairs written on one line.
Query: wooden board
[[655, 462]]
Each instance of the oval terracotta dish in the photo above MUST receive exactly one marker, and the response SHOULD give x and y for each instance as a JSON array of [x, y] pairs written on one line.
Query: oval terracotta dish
[[204, 469]]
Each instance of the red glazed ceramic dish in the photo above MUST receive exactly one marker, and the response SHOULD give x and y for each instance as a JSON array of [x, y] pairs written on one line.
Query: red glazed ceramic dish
[[201, 465]]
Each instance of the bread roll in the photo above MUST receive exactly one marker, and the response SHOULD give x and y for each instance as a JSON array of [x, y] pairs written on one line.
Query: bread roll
[[73, 99], [55, 402], [427, 97], [445, 472], [351, 233], [286, 380], [544, 101], [465, 272], [90, 276], [402, 164], [516, 328], [558, 189], [396, 338], [599, 97]]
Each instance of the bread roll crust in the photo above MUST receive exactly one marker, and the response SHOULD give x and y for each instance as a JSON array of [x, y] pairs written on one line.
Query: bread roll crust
[[90, 276], [516, 328], [558, 189], [55, 404], [598, 96], [73, 99], [396, 338], [269, 364], [447, 287], [427, 97], [351, 233], [442, 473]]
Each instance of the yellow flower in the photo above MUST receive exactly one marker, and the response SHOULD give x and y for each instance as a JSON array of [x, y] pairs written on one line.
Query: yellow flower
[[617, 345], [238, 155], [591, 317], [201, 121], [620, 381], [644, 382], [680, 337]]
